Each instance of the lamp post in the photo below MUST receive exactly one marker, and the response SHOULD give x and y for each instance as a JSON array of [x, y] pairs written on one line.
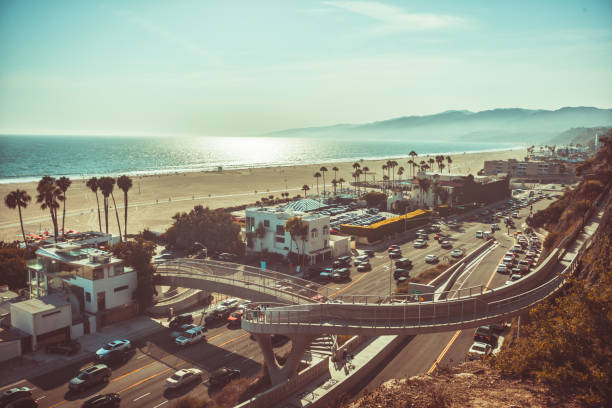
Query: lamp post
[[390, 273]]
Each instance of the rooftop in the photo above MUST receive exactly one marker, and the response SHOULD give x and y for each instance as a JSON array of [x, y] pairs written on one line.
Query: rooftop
[[42, 304]]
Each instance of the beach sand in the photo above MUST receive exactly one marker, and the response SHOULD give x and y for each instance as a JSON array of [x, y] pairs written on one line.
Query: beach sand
[[153, 200]]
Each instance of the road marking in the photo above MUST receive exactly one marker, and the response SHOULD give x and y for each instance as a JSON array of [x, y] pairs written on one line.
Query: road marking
[[217, 335], [349, 285], [13, 384], [39, 398], [134, 371], [149, 378], [142, 396], [443, 353], [232, 340], [139, 357], [159, 405], [486, 287]]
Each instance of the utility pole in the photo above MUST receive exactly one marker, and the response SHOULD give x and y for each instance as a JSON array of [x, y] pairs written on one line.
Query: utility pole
[[390, 273]]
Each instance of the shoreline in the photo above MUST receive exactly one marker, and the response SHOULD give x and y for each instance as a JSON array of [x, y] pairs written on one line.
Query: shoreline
[[154, 199], [211, 169]]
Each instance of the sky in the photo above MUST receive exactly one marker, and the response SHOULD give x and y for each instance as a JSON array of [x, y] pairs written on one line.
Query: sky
[[221, 68]]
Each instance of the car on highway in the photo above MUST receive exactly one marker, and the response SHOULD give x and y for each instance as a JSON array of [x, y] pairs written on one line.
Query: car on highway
[[393, 247], [180, 330], [369, 252], [515, 277], [341, 274], [183, 377], [227, 257], [431, 258], [478, 234], [14, 394], [395, 254], [326, 274], [364, 267], [66, 347], [111, 400], [191, 336], [223, 376], [221, 313], [345, 260], [419, 243], [483, 333], [89, 377], [235, 318], [230, 303], [115, 356], [403, 263], [162, 258], [502, 268], [524, 265], [111, 346], [180, 320], [401, 272], [456, 253], [479, 350], [446, 244], [494, 227]]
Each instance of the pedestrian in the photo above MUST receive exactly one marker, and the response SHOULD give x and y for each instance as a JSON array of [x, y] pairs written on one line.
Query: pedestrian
[[344, 354]]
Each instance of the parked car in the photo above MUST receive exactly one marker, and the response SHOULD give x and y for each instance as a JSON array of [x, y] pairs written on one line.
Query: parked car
[[419, 243], [483, 333], [67, 347], [395, 254], [393, 247], [345, 260], [115, 356], [403, 263], [524, 265], [89, 377], [399, 272], [222, 376], [431, 258], [113, 345], [14, 394], [446, 244], [456, 253], [235, 318], [341, 274], [180, 330], [501, 268], [515, 277], [111, 400], [191, 336], [479, 350], [364, 267], [326, 274], [478, 234], [369, 252], [180, 320], [183, 377], [230, 303]]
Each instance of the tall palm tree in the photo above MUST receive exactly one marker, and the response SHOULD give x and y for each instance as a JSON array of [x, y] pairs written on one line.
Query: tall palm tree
[[413, 154], [384, 168], [63, 183], [106, 185], [394, 164], [335, 184], [116, 212], [442, 167], [18, 199], [305, 188], [295, 227], [49, 196], [424, 185], [422, 165], [355, 175], [341, 181], [439, 159], [125, 183], [449, 161], [365, 172], [431, 161], [335, 170], [323, 170], [385, 183], [400, 172], [317, 175], [92, 183]]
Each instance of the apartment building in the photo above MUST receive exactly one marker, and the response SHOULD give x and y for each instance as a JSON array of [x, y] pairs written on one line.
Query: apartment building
[[545, 170]]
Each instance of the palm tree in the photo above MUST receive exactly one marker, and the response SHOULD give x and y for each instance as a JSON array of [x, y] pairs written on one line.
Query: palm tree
[[125, 183], [424, 185], [260, 233], [422, 165], [335, 184], [431, 161], [106, 184], [18, 199], [385, 183], [356, 166], [413, 154], [48, 197], [435, 187], [92, 183], [295, 227], [439, 159], [355, 176], [323, 170], [365, 172], [63, 183], [394, 164], [400, 172], [341, 181], [317, 175], [305, 188], [335, 170], [384, 168], [449, 161], [442, 167]]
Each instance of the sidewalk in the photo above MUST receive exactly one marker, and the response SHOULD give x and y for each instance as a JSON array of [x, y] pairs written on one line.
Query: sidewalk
[[40, 362]]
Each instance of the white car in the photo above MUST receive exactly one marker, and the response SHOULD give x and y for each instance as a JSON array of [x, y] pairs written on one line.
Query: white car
[[112, 346], [456, 253], [501, 268], [232, 302], [184, 376], [419, 243], [478, 234], [191, 336], [479, 350], [431, 258]]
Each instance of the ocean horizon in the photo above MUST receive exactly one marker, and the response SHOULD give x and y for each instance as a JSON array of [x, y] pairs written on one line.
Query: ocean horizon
[[28, 158]]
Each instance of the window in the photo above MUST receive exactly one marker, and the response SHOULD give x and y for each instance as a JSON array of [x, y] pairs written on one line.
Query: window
[[120, 288], [98, 273], [314, 233], [325, 229], [88, 297], [280, 230], [267, 223], [280, 240]]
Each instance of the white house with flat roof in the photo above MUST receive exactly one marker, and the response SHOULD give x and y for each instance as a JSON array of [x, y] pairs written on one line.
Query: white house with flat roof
[[265, 228]]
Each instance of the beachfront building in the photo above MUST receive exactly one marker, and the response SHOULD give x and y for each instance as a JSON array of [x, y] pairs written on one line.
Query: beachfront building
[[265, 230], [539, 170], [99, 284]]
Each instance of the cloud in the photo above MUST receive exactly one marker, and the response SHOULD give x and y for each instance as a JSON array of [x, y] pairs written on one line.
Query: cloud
[[394, 19]]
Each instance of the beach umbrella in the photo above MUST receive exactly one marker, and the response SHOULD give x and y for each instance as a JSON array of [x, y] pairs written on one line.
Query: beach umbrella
[[46, 232]]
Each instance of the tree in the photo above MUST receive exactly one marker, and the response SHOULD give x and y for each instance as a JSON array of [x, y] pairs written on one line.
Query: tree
[[411, 164], [449, 161], [260, 233], [49, 196], [125, 183], [335, 184], [413, 154], [356, 166], [93, 185], [400, 172], [295, 226], [317, 176], [365, 171], [375, 198], [137, 254], [116, 212], [393, 165], [424, 185], [18, 199], [431, 161], [355, 176], [305, 188], [442, 167], [63, 183], [106, 185], [13, 267], [341, 181], [335, 170], [323, 170]]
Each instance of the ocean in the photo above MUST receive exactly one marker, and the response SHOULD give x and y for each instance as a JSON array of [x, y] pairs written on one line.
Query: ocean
[[28, 158]]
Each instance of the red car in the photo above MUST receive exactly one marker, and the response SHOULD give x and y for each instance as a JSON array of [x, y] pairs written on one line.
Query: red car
[[393, 247], [235, 317]]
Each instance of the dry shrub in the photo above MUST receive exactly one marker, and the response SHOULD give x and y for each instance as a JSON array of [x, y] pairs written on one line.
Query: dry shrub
[[231, 393]]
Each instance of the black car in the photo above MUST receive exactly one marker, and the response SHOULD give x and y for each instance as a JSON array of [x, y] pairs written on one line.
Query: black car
[[67, 347], [403, 263], [341, 274], [222, 376], [180, 320], [400, 272], [484, 333], [115, 356], [345, 260], [27, 402], [111, 400], [312, 272], [369, 252], [219, 314], [14, 394]]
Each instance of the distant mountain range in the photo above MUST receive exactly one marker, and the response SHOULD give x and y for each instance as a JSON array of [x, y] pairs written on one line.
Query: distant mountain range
[[508, 125]]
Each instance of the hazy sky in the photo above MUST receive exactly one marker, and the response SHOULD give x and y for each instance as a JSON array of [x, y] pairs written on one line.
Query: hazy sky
[[247, 67]]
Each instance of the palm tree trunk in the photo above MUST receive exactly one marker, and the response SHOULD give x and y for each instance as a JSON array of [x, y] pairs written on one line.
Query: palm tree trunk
[[99, 217], [117, 215], [54, 221], [125, 203], [64, 217], [106, 212], [22, 230]]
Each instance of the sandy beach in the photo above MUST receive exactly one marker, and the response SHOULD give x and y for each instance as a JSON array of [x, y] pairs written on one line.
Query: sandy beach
[[153, 200]]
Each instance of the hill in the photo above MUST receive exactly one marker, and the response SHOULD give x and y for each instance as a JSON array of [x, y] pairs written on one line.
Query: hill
[[511, 125], [581, 135]]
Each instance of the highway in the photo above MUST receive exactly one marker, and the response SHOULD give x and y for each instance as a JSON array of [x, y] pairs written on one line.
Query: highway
[[140, 381]]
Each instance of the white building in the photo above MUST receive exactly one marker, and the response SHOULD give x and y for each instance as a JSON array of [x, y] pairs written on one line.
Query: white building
[[101, 284], [265, 228], [47, 319]]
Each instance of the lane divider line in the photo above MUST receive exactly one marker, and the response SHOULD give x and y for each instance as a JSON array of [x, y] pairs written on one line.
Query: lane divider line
[[142, 396], [159, 405], [444, 351]]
